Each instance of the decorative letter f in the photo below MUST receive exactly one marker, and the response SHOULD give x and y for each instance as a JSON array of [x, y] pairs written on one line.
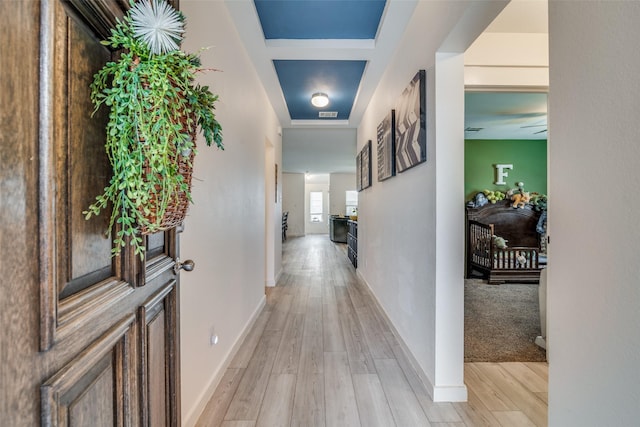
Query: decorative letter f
[[501, 174]]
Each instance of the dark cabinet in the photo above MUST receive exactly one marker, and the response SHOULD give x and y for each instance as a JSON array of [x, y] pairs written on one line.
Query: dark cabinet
[[338, 229], [352, 242]]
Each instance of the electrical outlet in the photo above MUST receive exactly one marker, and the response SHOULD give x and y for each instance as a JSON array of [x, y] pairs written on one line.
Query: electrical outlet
[[213, 340]]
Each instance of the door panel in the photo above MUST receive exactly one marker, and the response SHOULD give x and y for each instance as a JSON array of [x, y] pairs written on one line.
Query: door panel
[[156, 245], [156, 364], [158, 337], [89, 249], [96, 385], [160, 255], [119, 314], [95, 406], [70, 339], [76, 265]]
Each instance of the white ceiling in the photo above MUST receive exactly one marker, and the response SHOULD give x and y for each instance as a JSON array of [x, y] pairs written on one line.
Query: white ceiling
[[505, 115], [326, 151], [522, 16]]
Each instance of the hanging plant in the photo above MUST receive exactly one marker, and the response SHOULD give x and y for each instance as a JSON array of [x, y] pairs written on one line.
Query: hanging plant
[[156, 109]]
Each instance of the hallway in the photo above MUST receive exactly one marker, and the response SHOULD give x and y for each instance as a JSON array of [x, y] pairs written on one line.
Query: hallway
[[322, 354]]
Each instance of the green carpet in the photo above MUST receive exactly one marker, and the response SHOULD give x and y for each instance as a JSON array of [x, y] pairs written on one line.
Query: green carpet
[[501, 322]]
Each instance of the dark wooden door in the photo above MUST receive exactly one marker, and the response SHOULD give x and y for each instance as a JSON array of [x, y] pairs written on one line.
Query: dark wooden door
[[106, 350]]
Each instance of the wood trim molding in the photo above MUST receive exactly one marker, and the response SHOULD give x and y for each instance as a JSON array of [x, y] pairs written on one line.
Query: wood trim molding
[[46, 236], [56, 391], [75, 311], [166, 298], [158, 266], [101, 14], [79, 308]]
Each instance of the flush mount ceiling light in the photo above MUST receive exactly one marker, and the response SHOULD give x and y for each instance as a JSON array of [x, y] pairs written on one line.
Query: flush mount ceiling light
[[320, 99]]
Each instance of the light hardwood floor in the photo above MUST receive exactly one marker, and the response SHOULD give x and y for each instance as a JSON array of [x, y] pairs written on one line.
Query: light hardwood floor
[[321, 354]]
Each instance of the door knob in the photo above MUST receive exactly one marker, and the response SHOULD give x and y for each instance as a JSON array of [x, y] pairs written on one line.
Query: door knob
[[188, 265]]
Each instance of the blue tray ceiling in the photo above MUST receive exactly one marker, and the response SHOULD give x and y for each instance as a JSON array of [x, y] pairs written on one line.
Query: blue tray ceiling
[[323, 20], [320, 19], [300, 79]]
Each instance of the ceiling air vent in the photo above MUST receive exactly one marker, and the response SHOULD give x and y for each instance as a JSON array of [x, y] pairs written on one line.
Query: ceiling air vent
[[327, 114]]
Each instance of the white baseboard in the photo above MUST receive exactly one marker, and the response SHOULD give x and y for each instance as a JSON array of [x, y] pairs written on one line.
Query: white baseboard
[[450, 394], [272, 283], [438, 394], [192, 417]]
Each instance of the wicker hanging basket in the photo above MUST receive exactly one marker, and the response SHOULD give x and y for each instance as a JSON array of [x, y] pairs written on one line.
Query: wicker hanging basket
[[152, 126], [178, 203]]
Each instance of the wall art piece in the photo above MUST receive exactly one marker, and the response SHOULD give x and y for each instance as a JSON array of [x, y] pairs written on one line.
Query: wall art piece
[[365, 174], [387, 147], [359, 171], [411, 124]]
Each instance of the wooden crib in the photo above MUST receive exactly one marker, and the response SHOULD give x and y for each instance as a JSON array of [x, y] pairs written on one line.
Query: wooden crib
[[520, 261]]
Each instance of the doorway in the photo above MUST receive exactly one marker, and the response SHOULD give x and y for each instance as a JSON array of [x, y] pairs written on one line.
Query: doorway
[[316, 192], [505, 157], [272, 213]]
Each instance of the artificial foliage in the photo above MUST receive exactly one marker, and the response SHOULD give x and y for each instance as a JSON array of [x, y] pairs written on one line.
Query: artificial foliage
[[155, 109], [539, 201]]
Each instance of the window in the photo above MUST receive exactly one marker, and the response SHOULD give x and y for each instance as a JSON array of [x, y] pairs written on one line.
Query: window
[[351, 203], [315, 206]]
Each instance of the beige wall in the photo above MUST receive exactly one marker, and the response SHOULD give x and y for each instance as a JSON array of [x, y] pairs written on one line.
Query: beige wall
[[410, 232], [293, 202], [593, 287], [235, 215], [508, 59], [339, 184]]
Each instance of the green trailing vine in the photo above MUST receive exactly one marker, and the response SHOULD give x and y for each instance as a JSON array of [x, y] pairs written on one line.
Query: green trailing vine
[[155, 110]]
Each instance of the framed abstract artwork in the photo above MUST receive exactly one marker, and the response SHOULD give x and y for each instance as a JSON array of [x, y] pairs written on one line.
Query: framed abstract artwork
[[386, 147], [359, 172], [365, 173], [411, 124]]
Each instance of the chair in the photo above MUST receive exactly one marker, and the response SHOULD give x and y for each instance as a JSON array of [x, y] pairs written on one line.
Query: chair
[[285, 217]]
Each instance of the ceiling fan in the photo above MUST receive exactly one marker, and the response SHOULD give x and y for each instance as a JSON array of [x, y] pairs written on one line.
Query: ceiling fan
[[535, 126]]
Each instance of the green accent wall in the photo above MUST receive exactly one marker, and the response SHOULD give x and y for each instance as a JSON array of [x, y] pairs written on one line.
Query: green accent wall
[[528, 157]]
